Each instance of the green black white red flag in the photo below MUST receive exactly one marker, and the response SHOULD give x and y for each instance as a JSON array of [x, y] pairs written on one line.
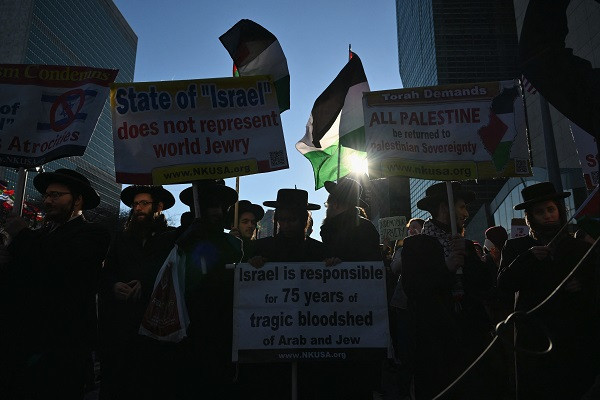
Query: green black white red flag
[[335, 129], [588, 214], [256, 51]]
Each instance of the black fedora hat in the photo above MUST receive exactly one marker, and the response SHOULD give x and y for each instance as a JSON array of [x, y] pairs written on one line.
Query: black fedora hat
[[208, 188], [158, 193], [347, 189], [245, 206], [437, 193], [293, 198], [539, 192], [71, 179]]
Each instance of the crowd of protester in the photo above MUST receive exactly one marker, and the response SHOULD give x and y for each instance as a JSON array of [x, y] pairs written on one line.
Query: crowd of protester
[[71, 292]]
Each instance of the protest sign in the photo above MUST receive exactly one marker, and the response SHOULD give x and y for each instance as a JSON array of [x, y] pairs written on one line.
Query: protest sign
[[48, 111], [288, 312], [518, 228], [392, 228], [452, 132], [588, 155], [181, 131]]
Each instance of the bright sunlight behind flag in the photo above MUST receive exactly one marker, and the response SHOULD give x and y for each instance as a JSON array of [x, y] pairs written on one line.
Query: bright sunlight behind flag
[[335, 127]]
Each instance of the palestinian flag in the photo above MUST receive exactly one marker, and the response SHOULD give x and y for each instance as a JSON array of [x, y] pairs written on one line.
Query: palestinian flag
[[335, 128], [499, 134], [256, 51], [588, 215]]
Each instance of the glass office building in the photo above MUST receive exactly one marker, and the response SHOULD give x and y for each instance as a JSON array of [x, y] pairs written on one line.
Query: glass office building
[[72, 32], [444, 42]]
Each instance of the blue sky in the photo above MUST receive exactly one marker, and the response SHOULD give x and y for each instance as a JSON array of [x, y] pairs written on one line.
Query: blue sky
[[179, 40]]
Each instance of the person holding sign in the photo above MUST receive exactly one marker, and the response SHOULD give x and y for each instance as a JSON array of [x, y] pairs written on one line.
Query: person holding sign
[[443, 278], [532, 267], [346, 234], [51, 300], [290, 244], [209, 292], [348, 237], [127, 281]]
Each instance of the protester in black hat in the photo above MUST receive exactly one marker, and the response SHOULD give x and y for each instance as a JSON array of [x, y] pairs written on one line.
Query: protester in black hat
[[127, 281], [209, 291], [50, 302], [248, 216], [347, 235], [289, 244], [443, 277], [533, 266]]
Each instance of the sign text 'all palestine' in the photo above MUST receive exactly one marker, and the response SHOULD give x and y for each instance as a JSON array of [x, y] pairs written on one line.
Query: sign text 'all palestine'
[[452, 132], [287, 312], [181, 131]]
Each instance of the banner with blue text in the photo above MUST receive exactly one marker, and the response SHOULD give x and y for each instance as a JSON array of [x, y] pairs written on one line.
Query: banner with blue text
[[182, 131]]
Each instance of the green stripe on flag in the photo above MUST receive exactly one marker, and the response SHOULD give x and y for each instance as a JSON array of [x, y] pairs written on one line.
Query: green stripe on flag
[[354, 139], [325, 163]]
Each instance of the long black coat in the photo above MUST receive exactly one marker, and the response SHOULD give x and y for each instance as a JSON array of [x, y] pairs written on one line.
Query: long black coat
[[446, 341], [350, 237], [130, 258], [273, 381], [51, 304], [569, 319]]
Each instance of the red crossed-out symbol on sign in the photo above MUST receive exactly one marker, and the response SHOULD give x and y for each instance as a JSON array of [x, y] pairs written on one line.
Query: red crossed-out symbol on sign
[[66, 106]]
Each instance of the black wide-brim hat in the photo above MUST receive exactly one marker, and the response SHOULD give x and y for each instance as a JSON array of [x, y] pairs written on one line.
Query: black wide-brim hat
[[72, 179], [292, 198], [158, 193], [207, 188], [245, 206], [539, 192], [348, 189], [435, 194]]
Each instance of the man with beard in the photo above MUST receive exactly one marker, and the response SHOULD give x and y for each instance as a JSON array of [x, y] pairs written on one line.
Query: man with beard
[[443, 278], [347, 237], [532, 267], [290, 244], [346, 234], [209, 291], [51, 299], [248, 216], [127, 281]]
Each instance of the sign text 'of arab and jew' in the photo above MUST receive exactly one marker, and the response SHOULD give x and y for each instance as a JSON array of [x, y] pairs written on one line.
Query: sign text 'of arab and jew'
[[181, 131]]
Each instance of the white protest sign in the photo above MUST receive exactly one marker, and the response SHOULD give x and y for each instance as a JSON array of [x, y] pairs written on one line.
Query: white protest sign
[[518, 228], [451, 132], [588, 155], [181, 131], [287, 312], [49, 111], [392, 228]]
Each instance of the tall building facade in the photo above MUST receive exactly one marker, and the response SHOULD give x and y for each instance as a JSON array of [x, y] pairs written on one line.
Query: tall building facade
[[89, 33], [584, 39], [443, 42]]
